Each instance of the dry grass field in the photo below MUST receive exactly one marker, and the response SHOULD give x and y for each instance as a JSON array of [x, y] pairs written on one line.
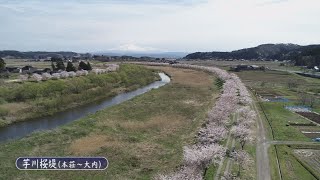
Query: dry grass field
[[140, 137]]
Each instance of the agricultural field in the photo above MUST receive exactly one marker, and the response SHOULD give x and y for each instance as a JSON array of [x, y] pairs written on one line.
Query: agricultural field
[[226, 64], [312, 116], [140, 137], [311, 157], [285, 125], [291, 168], [275, 90], [27, 62], [276, 84]]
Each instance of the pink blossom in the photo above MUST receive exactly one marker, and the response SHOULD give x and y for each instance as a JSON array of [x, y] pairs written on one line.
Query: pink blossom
[[55, 76], [72, 74], [64, 75], [46, 76], [242, 158], [23, 77], [36, 77]]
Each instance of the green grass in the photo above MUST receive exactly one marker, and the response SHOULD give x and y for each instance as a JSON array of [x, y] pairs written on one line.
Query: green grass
[[140, 137], [210, 172], [273, 163], [25, 62], [279, 118]]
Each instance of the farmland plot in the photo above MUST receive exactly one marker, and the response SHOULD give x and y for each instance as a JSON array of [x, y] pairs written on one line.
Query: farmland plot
[[311, 157]]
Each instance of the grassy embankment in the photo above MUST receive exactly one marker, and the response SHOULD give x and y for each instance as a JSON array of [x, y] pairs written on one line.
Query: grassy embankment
[[140, 137], [22, 101]]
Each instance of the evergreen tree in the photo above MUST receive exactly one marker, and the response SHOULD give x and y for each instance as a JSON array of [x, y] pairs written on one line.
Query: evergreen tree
[[2, 64], [82, 66], [53, 66], [60, 65], [70, 67], [89, 68]]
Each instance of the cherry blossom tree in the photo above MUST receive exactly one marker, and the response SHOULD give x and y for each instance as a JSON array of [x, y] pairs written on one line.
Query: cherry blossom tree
[[82, 73], [203, 155], [212, 134], [23, 77], [229, 176], [246, 116], [72, 74], [99, 71], [46, 76], [55, 76], [185, 172], [242, 158], [64, 74], [112, 67], [241, 132], [196, 159], [36, 77]]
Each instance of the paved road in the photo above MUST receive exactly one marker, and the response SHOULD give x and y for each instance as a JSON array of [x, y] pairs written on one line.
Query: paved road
[[263, 167]]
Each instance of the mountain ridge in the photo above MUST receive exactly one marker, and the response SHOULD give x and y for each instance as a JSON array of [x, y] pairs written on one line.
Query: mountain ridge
[[308, 55]]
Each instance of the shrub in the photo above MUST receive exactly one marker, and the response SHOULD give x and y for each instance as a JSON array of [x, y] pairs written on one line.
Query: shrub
[[3, 112]]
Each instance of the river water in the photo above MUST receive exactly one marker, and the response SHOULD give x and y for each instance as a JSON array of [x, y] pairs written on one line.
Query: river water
[[21, 129]]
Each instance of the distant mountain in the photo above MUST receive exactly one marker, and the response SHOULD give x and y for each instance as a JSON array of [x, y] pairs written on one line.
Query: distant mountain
[[301, 55], [38, 54], [142, 54]]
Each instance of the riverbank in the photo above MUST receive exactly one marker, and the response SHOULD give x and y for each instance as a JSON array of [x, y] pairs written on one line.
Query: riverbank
[[27, 101], [140, 137]]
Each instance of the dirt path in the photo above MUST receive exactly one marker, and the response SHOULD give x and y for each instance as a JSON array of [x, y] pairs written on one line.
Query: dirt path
[[263, 166], [230, 160], [227, 168], [218, 173]]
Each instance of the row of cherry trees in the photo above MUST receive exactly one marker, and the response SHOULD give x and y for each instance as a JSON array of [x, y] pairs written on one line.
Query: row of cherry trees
[[47, 76], [110, 68], [234, 98], [64, 74]]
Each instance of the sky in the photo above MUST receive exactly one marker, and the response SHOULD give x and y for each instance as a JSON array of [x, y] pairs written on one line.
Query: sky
[[155, 25]]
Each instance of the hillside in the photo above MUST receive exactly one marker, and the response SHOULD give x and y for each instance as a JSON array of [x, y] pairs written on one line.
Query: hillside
[[39, 54], [301, 55]]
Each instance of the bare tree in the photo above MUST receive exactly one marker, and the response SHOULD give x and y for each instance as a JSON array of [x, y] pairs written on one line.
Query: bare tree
[[292, 84]]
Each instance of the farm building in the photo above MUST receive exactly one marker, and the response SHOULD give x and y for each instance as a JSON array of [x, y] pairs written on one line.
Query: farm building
[[246, 67], [28, 69], [14, 69]]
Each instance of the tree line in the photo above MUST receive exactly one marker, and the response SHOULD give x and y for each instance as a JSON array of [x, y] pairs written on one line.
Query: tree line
[[58, 64]]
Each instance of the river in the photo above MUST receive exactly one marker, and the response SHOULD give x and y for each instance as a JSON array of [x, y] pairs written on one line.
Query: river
[[24, 128]]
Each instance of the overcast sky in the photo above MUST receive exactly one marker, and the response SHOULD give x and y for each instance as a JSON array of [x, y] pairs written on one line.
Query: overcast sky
[[156, 25]]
